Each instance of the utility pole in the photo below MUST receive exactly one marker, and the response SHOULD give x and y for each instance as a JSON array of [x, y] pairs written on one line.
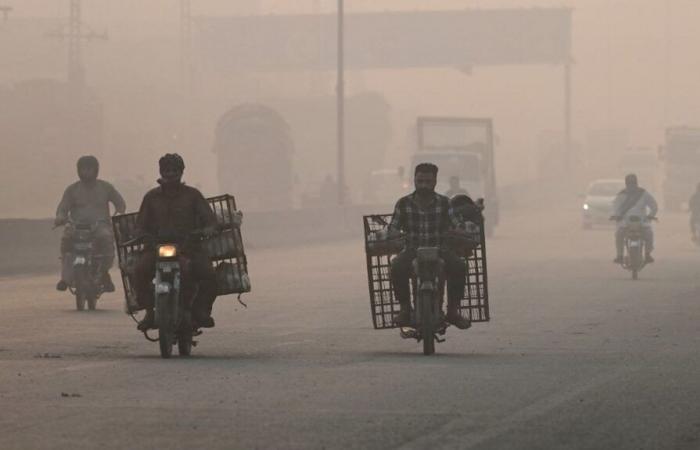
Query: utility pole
[[76, 32], [186, 63], [184, 133], [340, 93]]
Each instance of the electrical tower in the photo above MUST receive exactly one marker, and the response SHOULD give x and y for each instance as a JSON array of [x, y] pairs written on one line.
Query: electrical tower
[[5, 10], [75, 32]]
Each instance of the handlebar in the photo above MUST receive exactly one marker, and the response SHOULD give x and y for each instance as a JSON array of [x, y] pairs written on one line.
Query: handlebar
[[198, 234]]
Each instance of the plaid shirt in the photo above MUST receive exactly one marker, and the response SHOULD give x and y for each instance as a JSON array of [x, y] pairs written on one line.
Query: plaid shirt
[[423, 226]]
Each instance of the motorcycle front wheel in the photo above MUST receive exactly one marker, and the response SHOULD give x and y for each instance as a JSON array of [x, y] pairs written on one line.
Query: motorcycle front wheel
[[427, 326], [184, 344], [165, 326]]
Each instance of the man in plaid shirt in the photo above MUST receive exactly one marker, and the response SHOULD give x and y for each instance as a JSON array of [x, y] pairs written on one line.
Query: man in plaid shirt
[[423, 217]]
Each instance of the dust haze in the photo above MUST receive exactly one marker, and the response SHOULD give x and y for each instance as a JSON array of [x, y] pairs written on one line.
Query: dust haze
[[633, 75]]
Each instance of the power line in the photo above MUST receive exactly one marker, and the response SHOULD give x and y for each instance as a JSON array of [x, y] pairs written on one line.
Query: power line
[[75, 32]]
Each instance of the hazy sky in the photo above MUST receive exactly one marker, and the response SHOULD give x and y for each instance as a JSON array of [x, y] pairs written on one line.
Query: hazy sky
[[636, 66]]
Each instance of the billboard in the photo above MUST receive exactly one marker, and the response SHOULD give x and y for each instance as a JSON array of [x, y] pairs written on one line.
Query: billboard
[[387, 39]]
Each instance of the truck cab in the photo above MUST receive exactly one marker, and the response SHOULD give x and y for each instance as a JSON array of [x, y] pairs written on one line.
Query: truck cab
[[460, 147], [681, 165]]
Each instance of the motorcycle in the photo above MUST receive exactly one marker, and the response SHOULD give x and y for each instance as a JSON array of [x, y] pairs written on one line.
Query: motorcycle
[[172, 320], [427, 318], [634, 247], [87, 266]]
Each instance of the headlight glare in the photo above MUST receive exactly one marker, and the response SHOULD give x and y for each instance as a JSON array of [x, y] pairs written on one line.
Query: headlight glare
[[167, 251], [585, 206]]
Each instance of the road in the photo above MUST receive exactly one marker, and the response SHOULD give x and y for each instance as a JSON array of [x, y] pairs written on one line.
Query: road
[[576, 356]]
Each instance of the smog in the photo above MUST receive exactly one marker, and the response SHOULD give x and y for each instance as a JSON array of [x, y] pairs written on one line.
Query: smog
[[268, 167]]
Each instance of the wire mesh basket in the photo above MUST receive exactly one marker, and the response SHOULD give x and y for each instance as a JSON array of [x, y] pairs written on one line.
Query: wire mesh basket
[[379, 253], [225, 250]]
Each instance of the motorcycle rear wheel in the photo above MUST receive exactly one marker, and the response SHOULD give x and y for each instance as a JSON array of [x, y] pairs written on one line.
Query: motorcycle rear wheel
[[427, 326]]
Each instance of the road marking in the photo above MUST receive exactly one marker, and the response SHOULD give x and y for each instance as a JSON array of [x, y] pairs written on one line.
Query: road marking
[[445, 437]]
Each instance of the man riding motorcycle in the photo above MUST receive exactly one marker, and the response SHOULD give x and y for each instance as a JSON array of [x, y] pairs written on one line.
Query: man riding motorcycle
[[694, 207], [455, 188], [174, 210], [634, 201], [87, 202], [423, 217]]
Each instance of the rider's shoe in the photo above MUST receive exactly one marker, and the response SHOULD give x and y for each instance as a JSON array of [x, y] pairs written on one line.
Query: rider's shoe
[[403, 319], [454, 318], [61, 286], [203, 319], [618, 260], [148, 321], [648, 259], [107, 284]]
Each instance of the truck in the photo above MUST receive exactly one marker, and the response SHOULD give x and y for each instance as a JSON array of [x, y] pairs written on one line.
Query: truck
[[461, 147], [680, 157]]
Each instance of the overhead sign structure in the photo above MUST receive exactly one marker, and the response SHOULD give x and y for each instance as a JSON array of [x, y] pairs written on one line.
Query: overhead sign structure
[[387, 40]]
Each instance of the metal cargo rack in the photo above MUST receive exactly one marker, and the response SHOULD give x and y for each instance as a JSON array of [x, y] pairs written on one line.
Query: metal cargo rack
[[474, 305], [225, 250]]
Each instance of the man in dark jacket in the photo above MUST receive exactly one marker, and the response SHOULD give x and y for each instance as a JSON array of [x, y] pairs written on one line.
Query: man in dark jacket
[[172, 211], [87, 202]]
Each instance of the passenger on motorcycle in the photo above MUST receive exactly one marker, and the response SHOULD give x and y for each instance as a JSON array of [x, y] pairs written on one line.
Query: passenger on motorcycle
[[423, 217], [694, 207], [87, 202], [174, 210], [634, 201]]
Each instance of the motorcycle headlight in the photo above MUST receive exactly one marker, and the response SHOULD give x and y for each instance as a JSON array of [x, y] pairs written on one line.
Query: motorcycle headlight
[[167, 251], [585, 206]]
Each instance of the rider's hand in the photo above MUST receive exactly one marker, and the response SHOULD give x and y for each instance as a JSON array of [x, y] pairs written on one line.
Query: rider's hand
[[209, 231], [651, 217], [58, 221], [615, 218], [237, 218], [392, 233]]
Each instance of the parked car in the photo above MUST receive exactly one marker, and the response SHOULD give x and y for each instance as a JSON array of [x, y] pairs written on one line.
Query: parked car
[[598, 203]]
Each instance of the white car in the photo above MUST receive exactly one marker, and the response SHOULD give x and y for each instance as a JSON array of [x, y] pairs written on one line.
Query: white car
[[598, 202]]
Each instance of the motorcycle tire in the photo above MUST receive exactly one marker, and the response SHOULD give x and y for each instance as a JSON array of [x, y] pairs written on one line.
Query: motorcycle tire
[[79, 301], [184, 344], [165, 326], [427, 326], [80, 288], [92, 302], [635, 261]]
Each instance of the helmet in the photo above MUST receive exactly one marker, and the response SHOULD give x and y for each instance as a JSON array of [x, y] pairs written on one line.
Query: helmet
[[171, 160], [631, 180], [88, 162]]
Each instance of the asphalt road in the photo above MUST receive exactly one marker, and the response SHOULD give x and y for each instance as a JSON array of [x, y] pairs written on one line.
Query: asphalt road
[[576, 356]]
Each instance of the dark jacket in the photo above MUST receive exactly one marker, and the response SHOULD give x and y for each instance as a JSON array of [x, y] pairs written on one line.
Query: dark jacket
[[173, 213]]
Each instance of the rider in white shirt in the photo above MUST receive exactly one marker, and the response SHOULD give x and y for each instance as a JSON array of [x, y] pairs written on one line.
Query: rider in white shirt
[[634, 201]]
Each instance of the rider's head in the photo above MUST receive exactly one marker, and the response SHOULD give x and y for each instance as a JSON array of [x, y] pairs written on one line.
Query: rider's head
[[88, 168], [425, 178], [631, 181], [171, 168], [454, 182]]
